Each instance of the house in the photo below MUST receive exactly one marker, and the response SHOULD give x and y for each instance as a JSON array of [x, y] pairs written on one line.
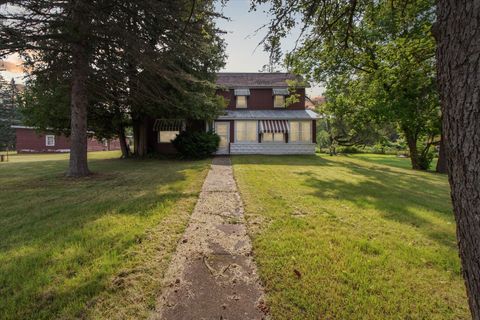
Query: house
[[257, 119], [28, 140]]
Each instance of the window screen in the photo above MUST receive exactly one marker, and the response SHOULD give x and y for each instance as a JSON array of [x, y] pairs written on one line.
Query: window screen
[[246, 131]]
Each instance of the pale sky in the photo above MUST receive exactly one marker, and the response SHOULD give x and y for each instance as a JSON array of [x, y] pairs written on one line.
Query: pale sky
[[242, 51]]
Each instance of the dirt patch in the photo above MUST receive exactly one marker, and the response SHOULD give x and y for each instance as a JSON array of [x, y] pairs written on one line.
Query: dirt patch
[[212, 274]]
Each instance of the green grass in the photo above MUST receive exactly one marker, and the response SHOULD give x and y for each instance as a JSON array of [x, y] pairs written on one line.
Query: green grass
[[96, 247], [389, 160], [369, 240]]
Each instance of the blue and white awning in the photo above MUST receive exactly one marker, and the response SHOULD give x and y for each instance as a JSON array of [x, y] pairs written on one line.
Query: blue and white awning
[[274, 126]]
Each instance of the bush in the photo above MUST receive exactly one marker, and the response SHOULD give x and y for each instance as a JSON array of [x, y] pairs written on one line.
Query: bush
[[196, 145], [349, 149], [425, 161]]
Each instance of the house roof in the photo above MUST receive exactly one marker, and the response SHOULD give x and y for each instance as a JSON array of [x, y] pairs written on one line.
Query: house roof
[[256, 79], [268, 115]]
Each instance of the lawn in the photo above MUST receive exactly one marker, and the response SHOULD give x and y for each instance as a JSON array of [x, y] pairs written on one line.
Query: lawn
[[350, 237], [96, 247]]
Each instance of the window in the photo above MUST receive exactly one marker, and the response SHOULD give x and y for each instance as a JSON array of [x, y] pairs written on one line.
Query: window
[[50, 140], [273, 137], [279, 101], [167, 136], [241, 101], [300, 131], [246, 131]]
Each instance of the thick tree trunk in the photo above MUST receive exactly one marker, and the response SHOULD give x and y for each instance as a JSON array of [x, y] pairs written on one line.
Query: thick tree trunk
[[414, 156], [458, 54], [78, 166], [442, 158], [140, 137]]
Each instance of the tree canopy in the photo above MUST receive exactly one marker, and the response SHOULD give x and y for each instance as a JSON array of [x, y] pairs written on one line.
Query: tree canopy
[[113, 62], [377, 61]]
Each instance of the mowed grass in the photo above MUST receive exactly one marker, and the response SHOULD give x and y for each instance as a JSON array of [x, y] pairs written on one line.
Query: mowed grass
[[95, 247], [348, 238]]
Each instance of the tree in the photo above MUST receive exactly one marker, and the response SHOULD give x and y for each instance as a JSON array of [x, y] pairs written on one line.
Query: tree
[[384, 73], [9, 114], [100, 65], [458, 74], [458, 42]]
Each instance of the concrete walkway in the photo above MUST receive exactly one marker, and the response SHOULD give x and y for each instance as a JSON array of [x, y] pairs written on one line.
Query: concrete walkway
[[212, 274]]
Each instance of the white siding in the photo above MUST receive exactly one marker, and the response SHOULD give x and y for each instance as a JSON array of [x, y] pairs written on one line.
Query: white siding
[[272, 148]]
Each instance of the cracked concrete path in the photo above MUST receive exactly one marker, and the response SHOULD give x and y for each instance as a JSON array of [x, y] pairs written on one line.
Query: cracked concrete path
[[212, 274]]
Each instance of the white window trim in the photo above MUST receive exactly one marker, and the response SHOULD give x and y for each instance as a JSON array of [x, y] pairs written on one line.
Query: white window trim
[[284, 102], [300, 142], [246, 142], [47, 144]]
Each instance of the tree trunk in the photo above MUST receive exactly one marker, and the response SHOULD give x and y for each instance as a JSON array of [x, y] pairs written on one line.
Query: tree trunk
[[457, 33], [78, 166], [442, 158], [412, 147], [140, 137], [123, 143]]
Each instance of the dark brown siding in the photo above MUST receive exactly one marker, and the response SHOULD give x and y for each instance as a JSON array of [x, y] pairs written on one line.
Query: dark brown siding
[[30, 141], [314, 131], [261, 99]]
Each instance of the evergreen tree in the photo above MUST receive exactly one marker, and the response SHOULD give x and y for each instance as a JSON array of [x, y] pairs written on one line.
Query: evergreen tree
[[9, 114]]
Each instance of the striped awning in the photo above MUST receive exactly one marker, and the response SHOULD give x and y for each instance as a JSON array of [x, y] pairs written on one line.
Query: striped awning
[[273, 126], [168, 125]]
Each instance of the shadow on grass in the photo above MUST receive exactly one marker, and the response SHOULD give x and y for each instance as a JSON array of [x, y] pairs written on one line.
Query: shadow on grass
[[61, 239], [400, 195]]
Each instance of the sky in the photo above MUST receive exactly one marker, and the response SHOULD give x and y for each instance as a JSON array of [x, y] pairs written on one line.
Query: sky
[[243, 52], [242, 40]]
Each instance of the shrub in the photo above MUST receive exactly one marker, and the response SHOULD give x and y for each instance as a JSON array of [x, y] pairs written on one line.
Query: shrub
[[425, 160], [196, 145], [348, 149]]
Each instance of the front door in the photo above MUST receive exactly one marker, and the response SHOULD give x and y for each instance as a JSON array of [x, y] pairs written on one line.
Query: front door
[[223, 130]]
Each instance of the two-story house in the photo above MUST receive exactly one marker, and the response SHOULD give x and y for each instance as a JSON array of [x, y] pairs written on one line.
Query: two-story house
[[257, 119]]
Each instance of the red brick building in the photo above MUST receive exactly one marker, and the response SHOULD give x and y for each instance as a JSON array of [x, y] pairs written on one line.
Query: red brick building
[[30, 141]]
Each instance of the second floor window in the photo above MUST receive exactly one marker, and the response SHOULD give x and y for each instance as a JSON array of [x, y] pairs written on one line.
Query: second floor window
[[279, 101], [241, 102]]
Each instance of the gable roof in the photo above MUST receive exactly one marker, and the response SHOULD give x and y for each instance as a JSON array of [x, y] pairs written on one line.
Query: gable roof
[[256, 79]]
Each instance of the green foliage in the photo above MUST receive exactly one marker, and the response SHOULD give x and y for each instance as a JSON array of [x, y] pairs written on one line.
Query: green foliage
[[9, 113], [196, 144], [425, 160], [348, 149], [147, 58], [377, 61]]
